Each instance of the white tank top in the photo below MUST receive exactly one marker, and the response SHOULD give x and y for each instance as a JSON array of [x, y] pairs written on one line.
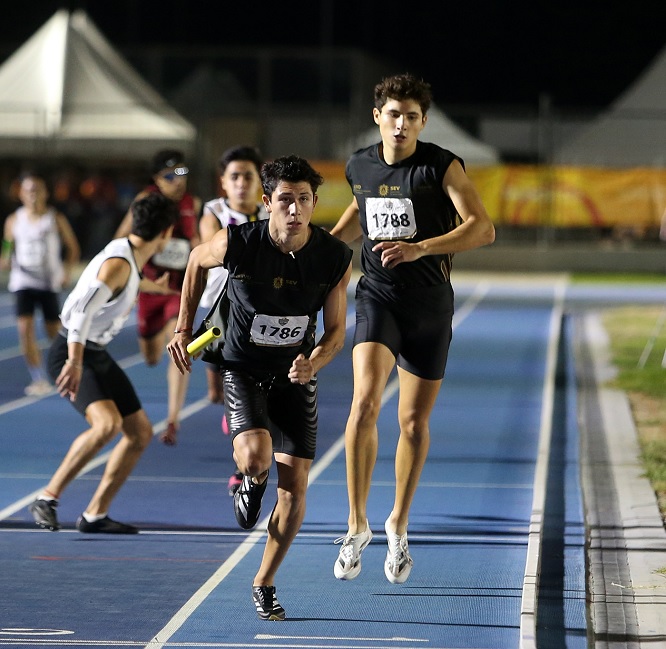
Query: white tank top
[[108, 321], [36, 261], [226, 216]]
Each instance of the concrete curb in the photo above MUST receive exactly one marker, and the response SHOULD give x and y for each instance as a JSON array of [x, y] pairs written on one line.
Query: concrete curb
[[626, 536]]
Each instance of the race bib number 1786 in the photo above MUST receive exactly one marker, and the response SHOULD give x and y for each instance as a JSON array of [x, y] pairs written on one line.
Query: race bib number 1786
[[278, 331]]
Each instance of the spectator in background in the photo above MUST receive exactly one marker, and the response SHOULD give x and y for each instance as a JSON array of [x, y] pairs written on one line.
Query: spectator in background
[[40, 249], [157, 314], [101, 200], [240, 182]]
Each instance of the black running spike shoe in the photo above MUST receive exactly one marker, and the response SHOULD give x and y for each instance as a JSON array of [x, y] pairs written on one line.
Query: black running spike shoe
[[268, 608], [105, 525], [247, 502], [44, 513]]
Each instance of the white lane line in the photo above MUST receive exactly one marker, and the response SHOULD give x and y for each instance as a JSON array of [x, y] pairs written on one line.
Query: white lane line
[[440, 485], [163, 636], [269, 636], [210, 480], [509, 535], [189, 645], [479, 292], [528, 606]]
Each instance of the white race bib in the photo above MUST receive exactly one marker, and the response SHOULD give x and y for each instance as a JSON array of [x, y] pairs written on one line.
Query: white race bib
[[278, 330], [390, 218], [174, 255]]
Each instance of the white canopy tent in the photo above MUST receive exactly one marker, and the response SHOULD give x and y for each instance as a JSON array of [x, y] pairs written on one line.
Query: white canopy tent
[[631, 132], [440, 130], [66, 91]]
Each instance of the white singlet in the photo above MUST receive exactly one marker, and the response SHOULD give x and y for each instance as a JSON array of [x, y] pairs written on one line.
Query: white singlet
[[36, 261], [226, 216], [108, 321]]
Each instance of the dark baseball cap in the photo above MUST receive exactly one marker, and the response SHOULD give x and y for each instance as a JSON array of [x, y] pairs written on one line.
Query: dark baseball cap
[[166, 159]]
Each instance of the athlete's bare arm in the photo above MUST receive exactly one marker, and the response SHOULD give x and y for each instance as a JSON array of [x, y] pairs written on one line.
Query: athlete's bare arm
[[334, 315], [209, 225], [70, 244], [348, 227], [205, 256]]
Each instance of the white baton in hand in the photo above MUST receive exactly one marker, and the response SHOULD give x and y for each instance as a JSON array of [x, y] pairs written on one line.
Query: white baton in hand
[[204, 339]]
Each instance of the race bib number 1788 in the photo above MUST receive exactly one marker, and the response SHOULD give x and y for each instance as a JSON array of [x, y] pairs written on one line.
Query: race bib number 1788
[[390, 218]]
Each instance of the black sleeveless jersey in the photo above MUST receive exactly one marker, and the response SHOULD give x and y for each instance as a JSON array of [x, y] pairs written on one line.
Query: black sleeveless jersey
[[403, 201], [267, 286]]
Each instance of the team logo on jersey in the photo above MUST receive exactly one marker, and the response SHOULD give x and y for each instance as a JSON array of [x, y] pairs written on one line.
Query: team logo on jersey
[[383, 190], [278, 282]]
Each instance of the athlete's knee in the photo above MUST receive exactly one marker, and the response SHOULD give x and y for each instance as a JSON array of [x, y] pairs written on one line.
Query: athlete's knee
[[252, 464], [105, 427], [365, 411], [253, 451], [139, 437], [414, 429]]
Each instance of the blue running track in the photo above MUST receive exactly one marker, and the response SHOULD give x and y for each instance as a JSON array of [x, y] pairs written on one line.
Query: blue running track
[[478, 530]]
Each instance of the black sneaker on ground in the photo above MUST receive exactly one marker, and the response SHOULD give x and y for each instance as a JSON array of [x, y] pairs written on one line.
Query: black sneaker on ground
[[268, 608], [44, 513], [105, 525], [247, 502]]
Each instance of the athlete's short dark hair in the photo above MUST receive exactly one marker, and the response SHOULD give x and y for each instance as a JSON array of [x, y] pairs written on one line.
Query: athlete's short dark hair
[[152, 215], [243, 153], [402, 87], [292, 169]]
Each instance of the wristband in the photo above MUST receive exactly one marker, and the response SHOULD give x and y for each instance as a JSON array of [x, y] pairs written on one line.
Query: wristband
[[78, 366], [7, 247], [184, 330]]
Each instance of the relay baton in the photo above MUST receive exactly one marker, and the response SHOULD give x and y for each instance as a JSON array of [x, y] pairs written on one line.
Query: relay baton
[[204, 339]]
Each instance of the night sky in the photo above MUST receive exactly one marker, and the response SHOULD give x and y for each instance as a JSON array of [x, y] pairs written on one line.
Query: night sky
[[503, 52]]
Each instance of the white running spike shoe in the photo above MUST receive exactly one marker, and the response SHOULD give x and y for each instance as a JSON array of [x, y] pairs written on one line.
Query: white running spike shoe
[[348, 564], [398, 563]]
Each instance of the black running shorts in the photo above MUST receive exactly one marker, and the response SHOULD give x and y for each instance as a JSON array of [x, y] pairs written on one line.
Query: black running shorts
[[415, 323], [27, 300], [102, 378], [262, 400]]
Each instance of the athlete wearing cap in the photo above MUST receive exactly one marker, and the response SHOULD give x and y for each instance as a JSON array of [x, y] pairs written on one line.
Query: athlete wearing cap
[[157, 313]]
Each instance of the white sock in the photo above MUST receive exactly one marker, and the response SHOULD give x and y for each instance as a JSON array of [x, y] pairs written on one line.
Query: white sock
[[93, 519], [47, 496]]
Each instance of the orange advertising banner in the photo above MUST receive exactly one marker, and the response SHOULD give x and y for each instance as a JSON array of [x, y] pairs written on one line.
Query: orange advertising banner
[[532, 195], [572, 196]]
